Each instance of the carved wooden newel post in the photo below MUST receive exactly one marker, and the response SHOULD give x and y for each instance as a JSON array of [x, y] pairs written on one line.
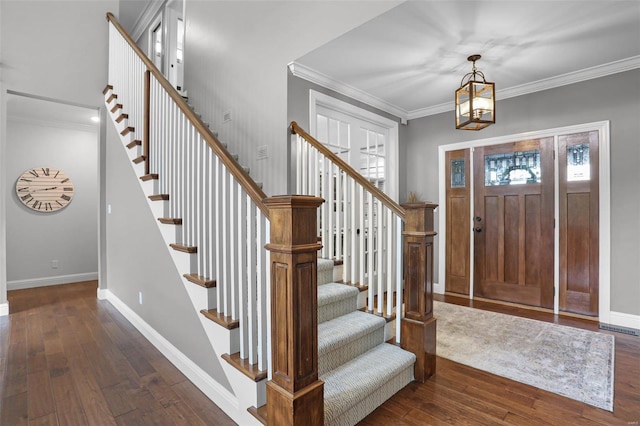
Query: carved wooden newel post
[[295, 396], [419, 325]]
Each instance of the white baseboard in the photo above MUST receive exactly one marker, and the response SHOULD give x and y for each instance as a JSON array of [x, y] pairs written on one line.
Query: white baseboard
[[4, 309], [43, 282], [214, 391], [438, 289], [625, 320]]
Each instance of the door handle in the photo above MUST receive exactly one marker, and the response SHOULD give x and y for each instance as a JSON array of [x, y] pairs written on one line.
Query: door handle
[[478, 219], [477, 229]]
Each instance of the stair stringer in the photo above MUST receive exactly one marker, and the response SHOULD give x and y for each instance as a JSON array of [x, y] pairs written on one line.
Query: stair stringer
[[246, 392]]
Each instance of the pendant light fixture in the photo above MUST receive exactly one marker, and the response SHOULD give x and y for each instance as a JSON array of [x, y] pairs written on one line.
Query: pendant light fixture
[[475, 100]]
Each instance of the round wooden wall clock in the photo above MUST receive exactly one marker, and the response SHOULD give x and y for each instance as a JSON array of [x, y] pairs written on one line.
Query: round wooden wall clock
[[44, 189]]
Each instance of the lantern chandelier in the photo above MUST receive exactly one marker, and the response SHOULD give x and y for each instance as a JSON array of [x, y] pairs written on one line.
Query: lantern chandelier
[[475, 100]]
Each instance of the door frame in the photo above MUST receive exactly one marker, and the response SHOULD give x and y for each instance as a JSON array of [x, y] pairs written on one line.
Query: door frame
[[604, 169], [316, 98]]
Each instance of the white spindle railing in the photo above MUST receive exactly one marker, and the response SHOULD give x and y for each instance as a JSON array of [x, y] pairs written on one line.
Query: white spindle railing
[[222, 214], [358, 225]]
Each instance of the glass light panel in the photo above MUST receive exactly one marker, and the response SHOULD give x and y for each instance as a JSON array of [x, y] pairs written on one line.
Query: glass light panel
[[512, 168], [578, 163], [458, 178]]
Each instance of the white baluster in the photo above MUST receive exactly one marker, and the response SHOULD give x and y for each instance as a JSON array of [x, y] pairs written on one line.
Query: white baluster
[[389, 264], [370, 250], [324, 228], [252, 284], [338, 215], [399, 271], [379, 244], [361, 237]]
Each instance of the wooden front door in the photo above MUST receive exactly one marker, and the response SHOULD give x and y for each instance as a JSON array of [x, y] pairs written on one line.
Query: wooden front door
[[458, 206], [513, 222], [579, 222]]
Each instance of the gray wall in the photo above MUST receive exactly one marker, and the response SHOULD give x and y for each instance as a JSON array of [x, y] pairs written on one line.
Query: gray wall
[[236, 58], [41, 57], [615, 98], [298, 111], [69, 235], [138, 261]]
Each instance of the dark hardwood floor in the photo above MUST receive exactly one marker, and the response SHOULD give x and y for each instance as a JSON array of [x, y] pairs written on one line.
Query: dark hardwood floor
[[67, 358]]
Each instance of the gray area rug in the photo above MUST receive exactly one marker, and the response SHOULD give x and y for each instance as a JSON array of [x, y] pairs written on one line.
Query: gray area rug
[[565, 360]]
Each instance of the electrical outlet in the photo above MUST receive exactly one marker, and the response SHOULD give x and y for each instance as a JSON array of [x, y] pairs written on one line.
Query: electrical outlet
[[226, 116], [108, 208], [263, 152], [54, 264], [140, 297]]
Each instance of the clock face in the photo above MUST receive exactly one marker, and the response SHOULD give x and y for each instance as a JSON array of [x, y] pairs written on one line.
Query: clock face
[[44, 189]]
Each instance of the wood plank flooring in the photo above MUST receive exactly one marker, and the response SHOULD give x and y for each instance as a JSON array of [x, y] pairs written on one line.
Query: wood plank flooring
[[458, 394], [67, 358]]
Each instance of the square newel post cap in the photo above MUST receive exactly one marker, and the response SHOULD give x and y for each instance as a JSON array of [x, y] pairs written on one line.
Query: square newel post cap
[[419, 216], [293, 219]]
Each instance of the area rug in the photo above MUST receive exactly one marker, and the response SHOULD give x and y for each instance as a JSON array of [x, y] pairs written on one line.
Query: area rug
[[565, 360]]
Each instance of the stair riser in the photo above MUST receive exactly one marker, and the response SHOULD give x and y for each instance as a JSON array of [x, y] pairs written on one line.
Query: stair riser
[[184, 261], [336, 309], [151, 187], [227, 341], [325, 271], [171, 233], [201, 297], [354, 348], [159, 208]]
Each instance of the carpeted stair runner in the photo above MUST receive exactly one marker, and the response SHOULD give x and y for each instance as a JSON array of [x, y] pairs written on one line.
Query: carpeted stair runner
[[359, 370]]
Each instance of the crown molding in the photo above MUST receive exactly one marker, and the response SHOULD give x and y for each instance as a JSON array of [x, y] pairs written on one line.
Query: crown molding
[[145, 18], [325, 81], [511, 92], [67, 125]]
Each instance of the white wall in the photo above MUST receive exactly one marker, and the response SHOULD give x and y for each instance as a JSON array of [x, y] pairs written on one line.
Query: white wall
[[69, 235], [236, 58]]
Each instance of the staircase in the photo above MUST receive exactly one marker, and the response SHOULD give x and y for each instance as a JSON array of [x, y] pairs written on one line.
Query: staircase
[[359, 370], [215, 224]]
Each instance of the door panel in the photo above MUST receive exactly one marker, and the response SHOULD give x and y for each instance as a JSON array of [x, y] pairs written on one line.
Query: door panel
[[513, 205], [458, 190], [579, 222]]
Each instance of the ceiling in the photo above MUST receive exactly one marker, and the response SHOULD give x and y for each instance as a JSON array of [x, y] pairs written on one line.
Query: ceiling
[[410, 60]]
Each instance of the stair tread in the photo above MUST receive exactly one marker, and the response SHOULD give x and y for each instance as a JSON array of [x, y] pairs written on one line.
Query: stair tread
[[333, 292], [340, 331], [353, 381]]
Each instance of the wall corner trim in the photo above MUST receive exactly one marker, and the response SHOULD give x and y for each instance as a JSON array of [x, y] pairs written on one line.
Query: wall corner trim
[[103, 294], [4, 309]]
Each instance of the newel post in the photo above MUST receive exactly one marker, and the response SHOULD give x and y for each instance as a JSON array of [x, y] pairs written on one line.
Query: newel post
[[418, 332], [295, 396]]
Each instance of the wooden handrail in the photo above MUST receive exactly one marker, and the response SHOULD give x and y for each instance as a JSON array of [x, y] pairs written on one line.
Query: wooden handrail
[[354, 174], [249, 185]]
